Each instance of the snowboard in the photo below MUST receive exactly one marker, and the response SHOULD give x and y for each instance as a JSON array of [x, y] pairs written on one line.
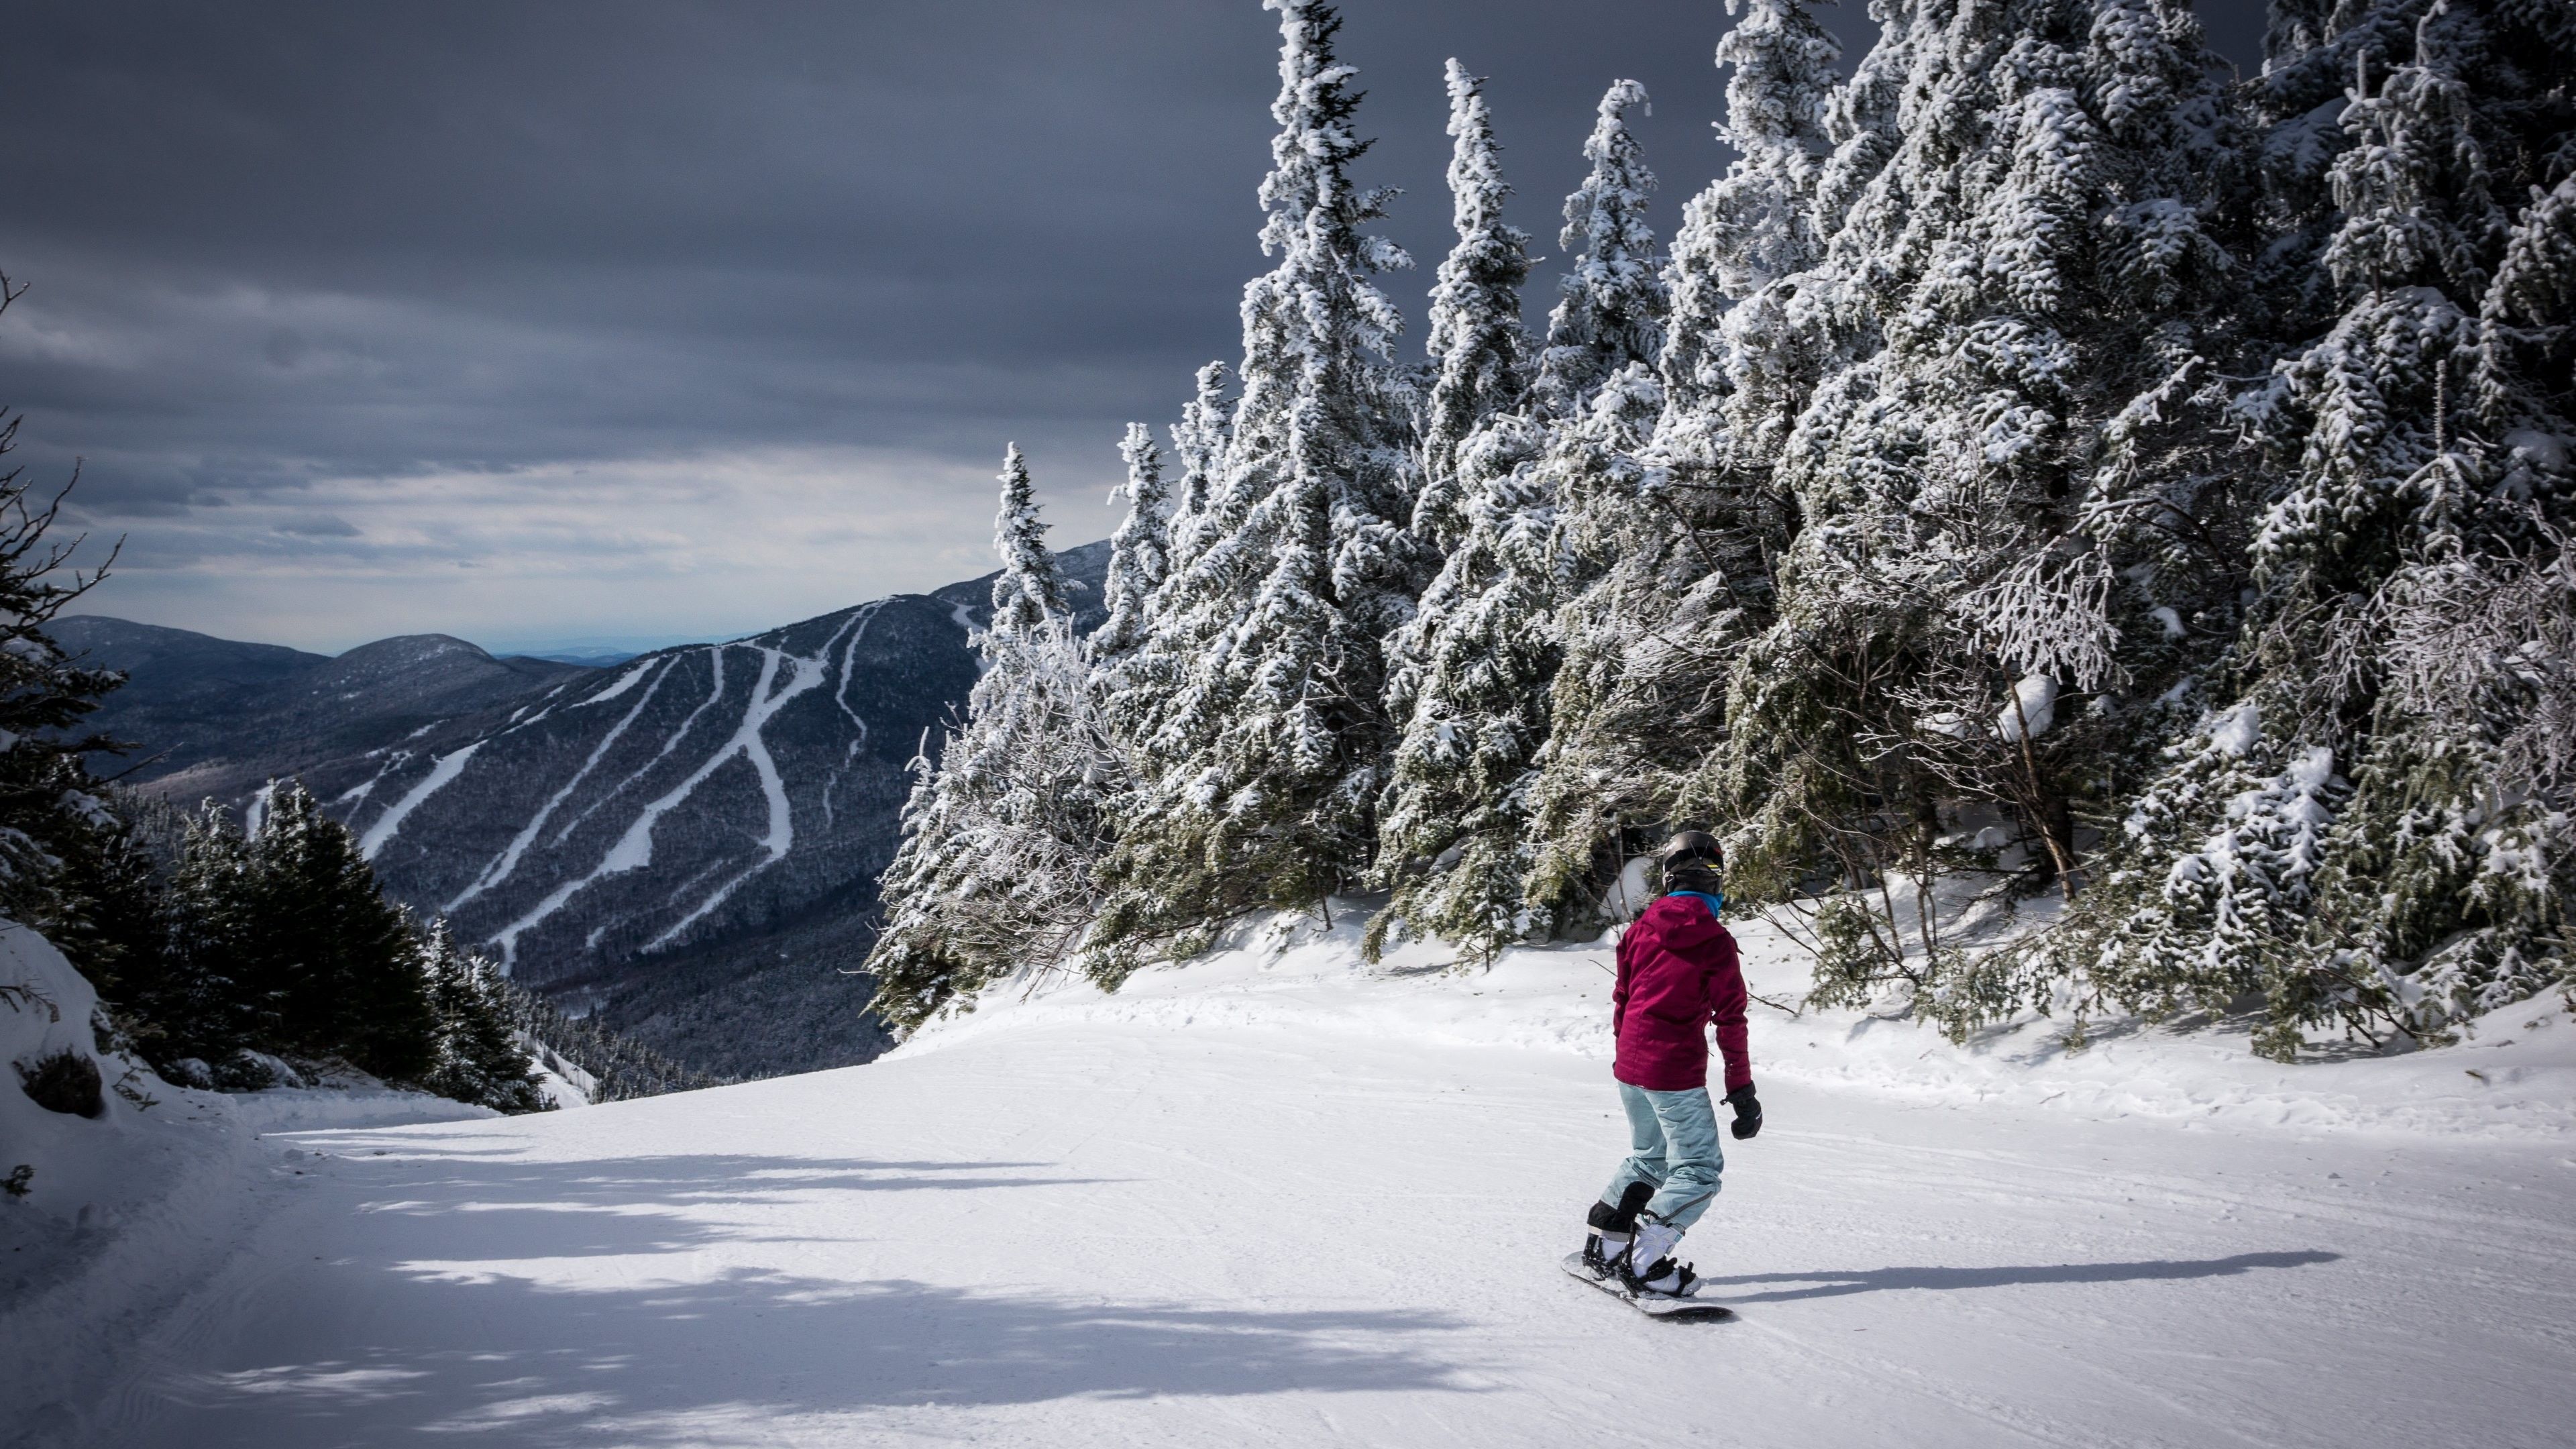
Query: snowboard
[[1683, 1309]]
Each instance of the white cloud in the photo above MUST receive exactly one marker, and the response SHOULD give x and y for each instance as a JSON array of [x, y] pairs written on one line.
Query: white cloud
[[670, 548]]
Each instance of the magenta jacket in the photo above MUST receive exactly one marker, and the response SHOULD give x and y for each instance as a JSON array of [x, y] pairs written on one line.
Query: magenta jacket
[[1678, 973]]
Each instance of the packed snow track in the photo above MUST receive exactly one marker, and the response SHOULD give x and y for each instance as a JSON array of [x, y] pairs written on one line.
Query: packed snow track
[[1153, 1225]]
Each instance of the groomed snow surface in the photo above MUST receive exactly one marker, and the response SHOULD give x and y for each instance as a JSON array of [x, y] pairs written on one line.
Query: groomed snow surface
[[1277, 1197]]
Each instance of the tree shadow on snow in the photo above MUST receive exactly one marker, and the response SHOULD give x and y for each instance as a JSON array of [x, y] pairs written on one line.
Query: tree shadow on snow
[[479, 1328], [707, 1361], [475, 1206], [1875, 1280]]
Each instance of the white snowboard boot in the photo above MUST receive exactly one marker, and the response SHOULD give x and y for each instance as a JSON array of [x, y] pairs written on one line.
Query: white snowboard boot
[[1648, 1266]]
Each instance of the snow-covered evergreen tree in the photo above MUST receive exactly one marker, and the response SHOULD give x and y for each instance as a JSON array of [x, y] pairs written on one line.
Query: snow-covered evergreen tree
[[2007, 308], [1671, 537], [1467, 675], [477, 1056], [1477, 341], [1264, 766], [1198, 442], [1031, 589], [1612, 310], [1139, 557], [1567, 486], [1754, 226], [1001, 834], [2423, 462]]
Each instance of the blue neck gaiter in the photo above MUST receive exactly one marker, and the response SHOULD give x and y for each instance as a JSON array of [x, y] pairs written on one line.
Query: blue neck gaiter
[[1716, 904]]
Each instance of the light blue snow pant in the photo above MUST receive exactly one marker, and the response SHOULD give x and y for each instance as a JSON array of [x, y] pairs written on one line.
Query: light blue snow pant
[[1672, 1138]]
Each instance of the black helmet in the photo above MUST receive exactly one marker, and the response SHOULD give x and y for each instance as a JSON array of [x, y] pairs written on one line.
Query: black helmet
[[1691, 847]]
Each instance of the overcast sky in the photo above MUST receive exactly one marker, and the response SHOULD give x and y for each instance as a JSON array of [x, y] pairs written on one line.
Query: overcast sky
[[627, 322]]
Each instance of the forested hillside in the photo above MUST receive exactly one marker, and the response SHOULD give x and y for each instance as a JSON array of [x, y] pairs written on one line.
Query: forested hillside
[[2086, 528], [683, 848]]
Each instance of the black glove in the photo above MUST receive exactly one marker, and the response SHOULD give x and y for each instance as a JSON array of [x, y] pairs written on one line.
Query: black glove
[[1748, 1113]]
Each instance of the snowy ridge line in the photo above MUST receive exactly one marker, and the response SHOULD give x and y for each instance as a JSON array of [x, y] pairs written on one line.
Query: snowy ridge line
[[506, 863], [2509, 1081], [381, 833]]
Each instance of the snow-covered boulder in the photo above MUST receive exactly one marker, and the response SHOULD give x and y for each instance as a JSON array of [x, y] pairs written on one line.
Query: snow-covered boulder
[[108, 1218], [65, 1107]]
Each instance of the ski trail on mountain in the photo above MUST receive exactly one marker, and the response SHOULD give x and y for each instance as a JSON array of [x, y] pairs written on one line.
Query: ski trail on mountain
[[507, 938], [747, 741], [381, 834], [841, 695], [633, 849], [506, 863], [715, 693], [625, 683]]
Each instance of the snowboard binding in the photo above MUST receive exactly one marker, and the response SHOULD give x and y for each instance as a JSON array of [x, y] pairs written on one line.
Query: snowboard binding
[[1613, 1229]]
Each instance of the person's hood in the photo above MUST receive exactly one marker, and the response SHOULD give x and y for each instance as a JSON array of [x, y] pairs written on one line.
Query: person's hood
[[1685, 918]]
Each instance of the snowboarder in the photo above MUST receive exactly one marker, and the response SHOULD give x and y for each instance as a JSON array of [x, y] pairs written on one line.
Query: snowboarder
[[1677, 974]]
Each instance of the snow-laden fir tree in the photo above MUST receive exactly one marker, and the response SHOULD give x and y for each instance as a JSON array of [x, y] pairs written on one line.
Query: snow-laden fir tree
[[1755, 225], [1031, 589], [1550, 501], [1127, 683], [1477, 341], [1677, 540], [1198, 443], [1139, 557], [1149, 672], [1001, 835], [1467, 675], [1569, 486], [476, 1056], [1612, 309], [1263, 768], [2035, 253], [2419, 453]]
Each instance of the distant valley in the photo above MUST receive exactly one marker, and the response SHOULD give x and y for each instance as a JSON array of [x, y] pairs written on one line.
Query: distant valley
[[686, 843]]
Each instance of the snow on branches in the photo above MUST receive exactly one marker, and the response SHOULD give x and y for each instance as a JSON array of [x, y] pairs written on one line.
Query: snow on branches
[[2044, 471]]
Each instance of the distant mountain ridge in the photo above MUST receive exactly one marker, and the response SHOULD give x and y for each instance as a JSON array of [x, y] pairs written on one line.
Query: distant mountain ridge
[[218, 717], [687, 843]]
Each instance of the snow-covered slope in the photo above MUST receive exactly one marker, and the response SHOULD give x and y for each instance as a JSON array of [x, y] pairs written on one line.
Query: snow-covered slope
[[2514, 1075], [121, 1214], [1288, 1199]]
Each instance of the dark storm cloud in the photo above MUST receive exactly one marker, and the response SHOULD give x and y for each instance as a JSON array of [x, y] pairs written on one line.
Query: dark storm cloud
[[285, 245]]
